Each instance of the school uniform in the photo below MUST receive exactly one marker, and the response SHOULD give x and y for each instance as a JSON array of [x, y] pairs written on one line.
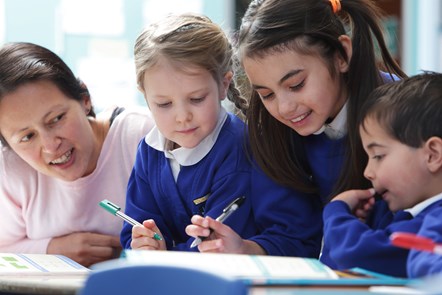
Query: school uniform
[[35, 207], [352, 243], [170, 186], [423, 263]]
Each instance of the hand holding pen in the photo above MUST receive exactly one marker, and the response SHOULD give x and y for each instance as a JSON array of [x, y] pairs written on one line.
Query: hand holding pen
[[232, 207], [149, 224]]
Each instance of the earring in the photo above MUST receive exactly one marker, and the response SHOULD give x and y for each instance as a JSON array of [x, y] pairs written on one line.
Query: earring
[[87, 111]]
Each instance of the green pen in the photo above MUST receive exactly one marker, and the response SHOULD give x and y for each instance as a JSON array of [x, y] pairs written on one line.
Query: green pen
[[116, 210]]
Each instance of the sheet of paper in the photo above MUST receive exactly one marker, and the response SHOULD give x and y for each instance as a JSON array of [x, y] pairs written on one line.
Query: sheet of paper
[[34, 264], [241, 266]]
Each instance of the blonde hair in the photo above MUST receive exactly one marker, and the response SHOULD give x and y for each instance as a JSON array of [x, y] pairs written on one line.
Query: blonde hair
[[188, 39]]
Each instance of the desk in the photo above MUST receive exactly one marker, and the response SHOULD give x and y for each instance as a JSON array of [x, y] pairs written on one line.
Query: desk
[[57, 285], [69, 285]]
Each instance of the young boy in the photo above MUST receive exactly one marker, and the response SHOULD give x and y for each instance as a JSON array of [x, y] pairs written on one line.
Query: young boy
[[401, 131]]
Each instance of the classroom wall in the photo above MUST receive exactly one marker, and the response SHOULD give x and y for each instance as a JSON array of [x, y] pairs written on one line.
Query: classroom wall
[[422, 35], [96, 37]]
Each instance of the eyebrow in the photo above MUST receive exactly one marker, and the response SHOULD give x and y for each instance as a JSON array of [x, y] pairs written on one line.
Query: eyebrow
[[373, 145], [26, 128], [193, 92], [282, 80]]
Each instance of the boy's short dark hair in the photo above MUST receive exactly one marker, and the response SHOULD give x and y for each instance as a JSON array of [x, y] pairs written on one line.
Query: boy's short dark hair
[[410, 110]]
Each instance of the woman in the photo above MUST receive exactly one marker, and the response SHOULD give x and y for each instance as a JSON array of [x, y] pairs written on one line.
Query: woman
[[58, 159]]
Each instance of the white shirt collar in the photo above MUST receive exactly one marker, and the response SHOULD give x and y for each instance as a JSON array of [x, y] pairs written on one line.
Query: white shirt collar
[[416, 209], [184, 156], [337, 128]]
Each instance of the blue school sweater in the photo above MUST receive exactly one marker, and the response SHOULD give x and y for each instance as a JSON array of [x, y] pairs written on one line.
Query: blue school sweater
[[352, 243], [279, 219], [422, 263]]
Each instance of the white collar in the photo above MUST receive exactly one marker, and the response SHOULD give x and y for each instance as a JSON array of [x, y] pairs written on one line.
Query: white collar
[[185, 156], [416, 209], [338, 127]]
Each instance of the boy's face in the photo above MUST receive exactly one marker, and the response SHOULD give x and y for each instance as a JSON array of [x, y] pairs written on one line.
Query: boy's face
[[398, 172]]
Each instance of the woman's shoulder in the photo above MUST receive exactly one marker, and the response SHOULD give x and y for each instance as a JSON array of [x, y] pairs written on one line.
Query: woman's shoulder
[[9, 160], [135, 120], [116, 114], [13, 168]]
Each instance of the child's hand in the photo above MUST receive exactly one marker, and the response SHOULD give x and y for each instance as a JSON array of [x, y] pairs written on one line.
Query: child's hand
[[365, 209], [143, 237], [222, 239], [359, 201], [199, 227]]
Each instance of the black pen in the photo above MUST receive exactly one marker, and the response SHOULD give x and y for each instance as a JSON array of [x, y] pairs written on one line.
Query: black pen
[[232, 207]]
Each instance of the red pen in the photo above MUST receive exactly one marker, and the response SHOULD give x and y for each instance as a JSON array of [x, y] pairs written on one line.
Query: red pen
[[413, 241]]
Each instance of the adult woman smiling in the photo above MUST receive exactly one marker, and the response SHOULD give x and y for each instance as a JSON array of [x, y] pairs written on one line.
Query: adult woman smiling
[[59, 159]]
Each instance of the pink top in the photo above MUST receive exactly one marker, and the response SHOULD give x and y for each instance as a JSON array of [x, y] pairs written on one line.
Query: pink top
[[34, 207]]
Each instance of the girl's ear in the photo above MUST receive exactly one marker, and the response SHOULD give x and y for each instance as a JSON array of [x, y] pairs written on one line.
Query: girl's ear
[[433, 149], [140, 88], [341, 63], [225, 84]]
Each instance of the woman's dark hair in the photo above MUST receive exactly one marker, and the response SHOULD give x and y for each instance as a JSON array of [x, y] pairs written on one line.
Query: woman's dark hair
[[311, 27], [22, 63]]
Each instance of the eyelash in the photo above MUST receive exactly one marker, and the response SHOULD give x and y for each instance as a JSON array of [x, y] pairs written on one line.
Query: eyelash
[[163, 105], [197, 100], [378, 157], [264, 97], [51, 123], [27, 137], [298, 86], [57, 119], [292, 88], [193, 100]]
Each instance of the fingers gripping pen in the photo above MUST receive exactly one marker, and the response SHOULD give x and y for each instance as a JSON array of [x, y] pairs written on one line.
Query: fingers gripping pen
[[232, 207], [116, 210]]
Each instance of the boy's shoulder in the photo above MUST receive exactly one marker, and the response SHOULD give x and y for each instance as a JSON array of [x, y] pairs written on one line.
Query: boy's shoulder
[[434, 209]]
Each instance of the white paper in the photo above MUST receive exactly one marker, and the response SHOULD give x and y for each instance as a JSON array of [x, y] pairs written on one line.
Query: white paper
[[35, 264]]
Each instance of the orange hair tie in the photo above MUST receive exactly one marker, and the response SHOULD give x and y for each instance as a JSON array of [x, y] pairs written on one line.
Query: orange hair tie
[[336, 5]]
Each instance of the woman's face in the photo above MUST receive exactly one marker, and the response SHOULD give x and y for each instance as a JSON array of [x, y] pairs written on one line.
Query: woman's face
[[49, 130], [298, 90]]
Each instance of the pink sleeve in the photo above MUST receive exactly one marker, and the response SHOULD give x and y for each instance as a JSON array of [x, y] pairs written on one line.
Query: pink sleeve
[[14, 173]]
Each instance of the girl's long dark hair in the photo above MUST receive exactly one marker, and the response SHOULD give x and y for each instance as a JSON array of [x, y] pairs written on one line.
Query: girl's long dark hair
[[311, 27]]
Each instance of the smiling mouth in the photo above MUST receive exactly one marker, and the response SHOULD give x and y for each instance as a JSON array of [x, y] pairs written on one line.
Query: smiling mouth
[[300, 118], [63, 159]]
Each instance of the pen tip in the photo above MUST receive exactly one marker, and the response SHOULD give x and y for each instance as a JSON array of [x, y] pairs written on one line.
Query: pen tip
[[195, 242]]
